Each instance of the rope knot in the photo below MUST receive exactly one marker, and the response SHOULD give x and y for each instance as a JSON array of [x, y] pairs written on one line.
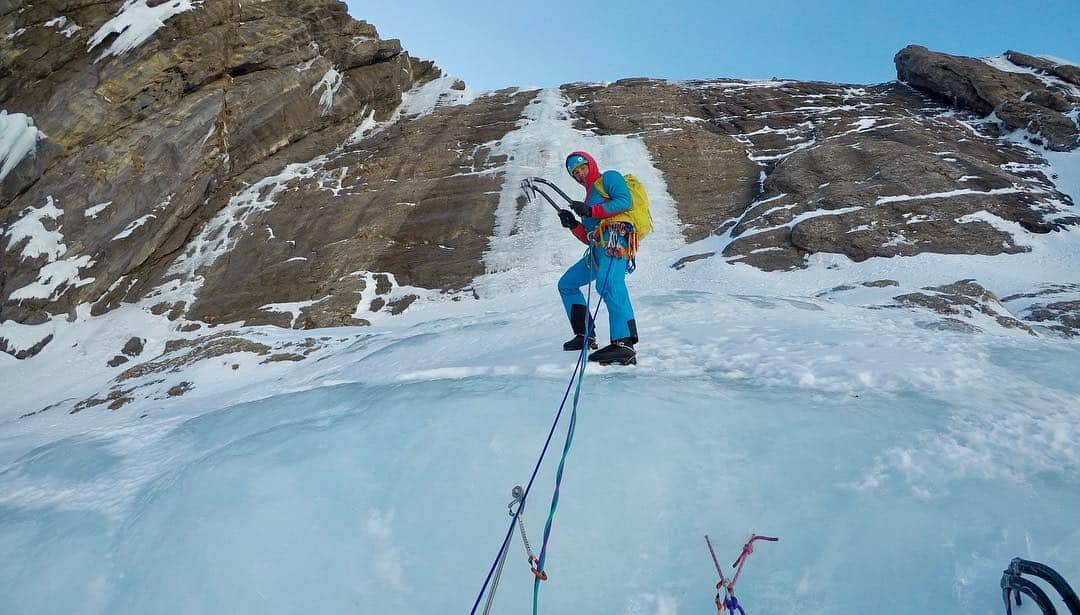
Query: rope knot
[[539, 574]]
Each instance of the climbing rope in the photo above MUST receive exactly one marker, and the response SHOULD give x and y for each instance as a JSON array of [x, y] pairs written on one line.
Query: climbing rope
[[537, 564], [525, 495], [538, 571], [729, 602]]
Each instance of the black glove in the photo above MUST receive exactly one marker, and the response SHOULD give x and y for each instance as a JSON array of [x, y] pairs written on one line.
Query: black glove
[[580, 208], [567, 218]]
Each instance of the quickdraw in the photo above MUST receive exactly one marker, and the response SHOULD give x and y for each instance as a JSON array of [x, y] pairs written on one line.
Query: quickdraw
[[729, 602], [606, 236]]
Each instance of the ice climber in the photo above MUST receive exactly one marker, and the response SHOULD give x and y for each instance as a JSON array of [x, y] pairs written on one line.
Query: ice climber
[[606, 227]]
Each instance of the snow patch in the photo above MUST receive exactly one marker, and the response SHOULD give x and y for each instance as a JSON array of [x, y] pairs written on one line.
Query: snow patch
[[944, 195], [806, 215], [415, 102], [61, 23], [18, 139], [20, 337], [56, 278], [134, 23], [92, 212], [1006, 226], [292, 308], [134, 225], [898, 239], [220, 234], [1003, 64], [330, 84], [367, 308], [39, 240]]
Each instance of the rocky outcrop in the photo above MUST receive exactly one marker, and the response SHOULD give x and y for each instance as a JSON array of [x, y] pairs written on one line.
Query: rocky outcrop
[[416, 199], [1054, 307], [145, 141], [963, 298], [708, 172], [790, 169], [1020, 99], [1066, 72]]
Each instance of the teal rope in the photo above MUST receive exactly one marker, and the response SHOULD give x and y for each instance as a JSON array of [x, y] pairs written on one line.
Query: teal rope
[[581, 363], [555, 497]]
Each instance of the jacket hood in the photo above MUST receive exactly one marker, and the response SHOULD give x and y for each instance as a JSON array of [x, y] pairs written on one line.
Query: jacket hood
[[594, 171]]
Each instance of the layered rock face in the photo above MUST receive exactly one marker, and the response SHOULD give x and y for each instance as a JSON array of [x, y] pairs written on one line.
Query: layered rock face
[[141, 144], [1022, 91], [279, 163], [170, 148], [789, 169]]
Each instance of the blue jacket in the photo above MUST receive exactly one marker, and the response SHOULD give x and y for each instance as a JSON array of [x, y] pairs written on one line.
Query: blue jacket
[[619, 199]]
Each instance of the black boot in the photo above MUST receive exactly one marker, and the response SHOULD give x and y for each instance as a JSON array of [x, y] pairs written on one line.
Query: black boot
[[579, 315], [619, 352]]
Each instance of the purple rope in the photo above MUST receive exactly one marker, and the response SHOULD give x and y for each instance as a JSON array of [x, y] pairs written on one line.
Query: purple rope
[[578, 369]]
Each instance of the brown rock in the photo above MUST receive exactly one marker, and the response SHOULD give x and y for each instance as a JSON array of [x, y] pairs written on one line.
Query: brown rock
[[686, 260], [7, 347], [284, 356], [1065, 72], [196, 350], [963, 298], [146, 130], [975, 85], [180, 389], [133, 347], [706, 170], [417, 188]]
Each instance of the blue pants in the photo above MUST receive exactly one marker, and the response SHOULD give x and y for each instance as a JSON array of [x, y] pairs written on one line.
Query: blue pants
[[609, 272]]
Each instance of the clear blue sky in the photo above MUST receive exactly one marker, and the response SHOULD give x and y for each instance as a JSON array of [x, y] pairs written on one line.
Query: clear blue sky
[[529, 43]]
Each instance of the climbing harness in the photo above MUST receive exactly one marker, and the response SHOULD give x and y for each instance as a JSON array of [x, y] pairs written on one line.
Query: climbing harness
[[729, 602], [536, 564], [617, 240], [1012, 585]]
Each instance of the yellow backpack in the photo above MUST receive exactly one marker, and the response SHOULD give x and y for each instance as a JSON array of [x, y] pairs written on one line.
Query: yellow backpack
[[638, 215]]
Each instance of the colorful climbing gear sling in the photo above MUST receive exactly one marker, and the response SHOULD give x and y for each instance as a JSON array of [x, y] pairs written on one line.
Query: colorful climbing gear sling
[[729, 602]]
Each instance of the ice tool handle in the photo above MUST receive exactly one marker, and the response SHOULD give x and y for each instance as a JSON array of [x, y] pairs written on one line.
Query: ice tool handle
[[530, 188], [1013, 585]]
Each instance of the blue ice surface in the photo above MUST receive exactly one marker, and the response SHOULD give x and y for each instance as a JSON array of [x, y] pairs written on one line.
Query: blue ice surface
[[392, 499]]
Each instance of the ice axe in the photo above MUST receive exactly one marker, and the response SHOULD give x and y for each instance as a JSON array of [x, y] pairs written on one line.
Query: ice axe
[[529, 187]]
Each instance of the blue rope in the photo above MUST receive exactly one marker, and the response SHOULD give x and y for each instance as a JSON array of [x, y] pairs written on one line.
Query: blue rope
[[579, 370], [566, 450]]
